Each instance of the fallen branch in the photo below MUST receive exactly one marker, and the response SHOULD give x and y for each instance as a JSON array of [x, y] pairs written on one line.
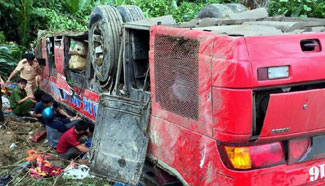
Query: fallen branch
[[26, 140], [21, 178], [57, 179], [58, 157], [13, 179], [13, 166]]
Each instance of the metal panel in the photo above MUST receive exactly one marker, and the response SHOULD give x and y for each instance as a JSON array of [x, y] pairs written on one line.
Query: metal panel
[[316, 151], [59, 54], [284, 50], [146, 23], [232, 108], [176, 72], [294, 114], [120, 141]]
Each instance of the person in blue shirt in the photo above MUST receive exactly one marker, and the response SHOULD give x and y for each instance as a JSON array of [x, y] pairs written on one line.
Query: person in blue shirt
[[90, 133], [60, 112], [56, 126], [46, 101]]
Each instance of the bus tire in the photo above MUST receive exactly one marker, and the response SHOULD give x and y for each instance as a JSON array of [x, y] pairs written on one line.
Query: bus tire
[[220, 11], [104, 41], [130, 13]]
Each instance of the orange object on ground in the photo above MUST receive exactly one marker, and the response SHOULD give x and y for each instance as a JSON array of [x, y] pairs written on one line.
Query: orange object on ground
[[43, 167]]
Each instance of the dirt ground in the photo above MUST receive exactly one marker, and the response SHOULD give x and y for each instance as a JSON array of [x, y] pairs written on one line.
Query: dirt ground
[[14, 145]]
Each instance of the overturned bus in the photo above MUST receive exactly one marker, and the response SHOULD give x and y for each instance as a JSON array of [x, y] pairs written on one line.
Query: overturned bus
[[213, 101]]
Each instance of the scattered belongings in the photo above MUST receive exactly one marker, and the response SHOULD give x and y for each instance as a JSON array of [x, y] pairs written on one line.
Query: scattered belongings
[[42, 168], [40, 134], [12, 146], [74, 171], [5, 102], [21, 166], [4, 180], [119, 184]]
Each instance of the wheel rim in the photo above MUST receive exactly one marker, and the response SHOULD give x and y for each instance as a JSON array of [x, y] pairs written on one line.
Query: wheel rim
[[99, 54], [104, 40], [98, 49]]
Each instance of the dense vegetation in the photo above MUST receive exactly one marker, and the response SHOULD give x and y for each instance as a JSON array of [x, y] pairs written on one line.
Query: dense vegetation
[[298, 8], [21, 19]]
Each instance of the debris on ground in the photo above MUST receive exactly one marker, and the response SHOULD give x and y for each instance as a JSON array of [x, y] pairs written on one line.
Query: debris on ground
[[43, 167], [74, 171], [4, 180], [120, 184], [40, 134], [17, 136], [12, 146]]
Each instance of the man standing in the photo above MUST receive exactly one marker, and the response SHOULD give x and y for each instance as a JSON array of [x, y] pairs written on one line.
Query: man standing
[[20, 103], [69, 146], [29, 70]]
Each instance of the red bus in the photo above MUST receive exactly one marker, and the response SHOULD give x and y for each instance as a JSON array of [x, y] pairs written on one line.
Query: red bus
[[211, 101]]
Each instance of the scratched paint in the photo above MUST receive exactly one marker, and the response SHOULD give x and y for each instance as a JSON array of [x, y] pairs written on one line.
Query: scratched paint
[[232, 76], [203, 156], [227, 73]]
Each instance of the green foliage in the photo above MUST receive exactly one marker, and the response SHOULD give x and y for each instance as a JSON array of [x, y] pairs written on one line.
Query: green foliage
[[10, 54], [24, 12], [181, 10], [58, 22], [186, 10], [7, 18], [2, 38], [154, 8], [64, 14], [298, 8], [76, 6], [21, 19], [159, 8]]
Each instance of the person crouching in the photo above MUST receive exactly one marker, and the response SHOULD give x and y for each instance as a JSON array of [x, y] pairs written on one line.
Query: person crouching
[[46, 101], [69, 146], [55, 126], [20, 102]]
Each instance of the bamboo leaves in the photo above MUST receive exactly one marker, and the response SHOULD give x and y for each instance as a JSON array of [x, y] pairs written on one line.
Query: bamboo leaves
[[9, 56], [24, 12]]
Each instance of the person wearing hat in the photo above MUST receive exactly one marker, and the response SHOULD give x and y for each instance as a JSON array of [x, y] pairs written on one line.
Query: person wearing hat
[[20, 102], [29, 70]]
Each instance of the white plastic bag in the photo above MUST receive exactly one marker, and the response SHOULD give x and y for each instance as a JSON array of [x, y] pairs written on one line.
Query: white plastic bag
[[5, 103], [77, 172]]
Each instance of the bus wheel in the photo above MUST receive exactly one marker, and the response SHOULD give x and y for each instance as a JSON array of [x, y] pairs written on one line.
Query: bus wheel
[[104, 42], [130, 13], [220, 11]]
